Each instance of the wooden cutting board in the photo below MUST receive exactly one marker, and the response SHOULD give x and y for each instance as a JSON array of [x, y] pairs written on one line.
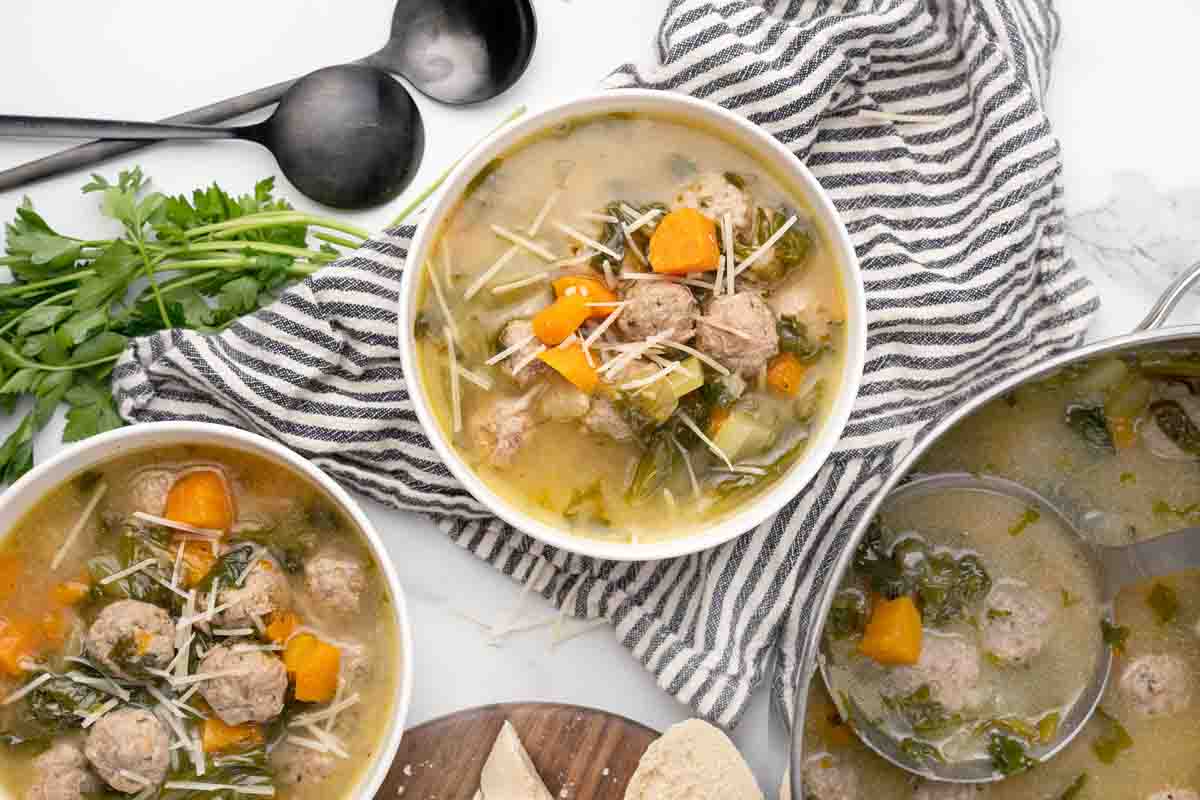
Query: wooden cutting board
[[581, 753]]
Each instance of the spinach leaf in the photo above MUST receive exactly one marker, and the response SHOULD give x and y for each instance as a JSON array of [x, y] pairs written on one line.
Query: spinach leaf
[[1072, 791], [251, 768], [1008, 755], [1164, 601], [54, 704], [1175, 423], [794, 339], [654, 468], [228, 568], [1114, 636], [791, 250], [873, 561], [928, 717], [1108, 745], [1089, 422], [847, 616], [921, 752], [138, 586]]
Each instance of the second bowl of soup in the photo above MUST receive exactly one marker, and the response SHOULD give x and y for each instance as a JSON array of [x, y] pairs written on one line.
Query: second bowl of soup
[[633, 325]]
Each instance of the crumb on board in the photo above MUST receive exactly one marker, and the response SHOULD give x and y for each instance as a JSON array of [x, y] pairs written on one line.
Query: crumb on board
[[408, 770]]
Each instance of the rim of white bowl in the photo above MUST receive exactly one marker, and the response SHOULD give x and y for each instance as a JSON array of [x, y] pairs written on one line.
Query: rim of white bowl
[[19, 498], [794, 174]]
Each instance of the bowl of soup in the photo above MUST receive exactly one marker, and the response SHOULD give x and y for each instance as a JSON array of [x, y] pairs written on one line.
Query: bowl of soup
[[633, 325], [188, 610]]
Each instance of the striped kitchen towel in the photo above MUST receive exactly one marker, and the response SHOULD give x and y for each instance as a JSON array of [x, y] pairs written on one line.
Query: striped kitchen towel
[[957, 218]]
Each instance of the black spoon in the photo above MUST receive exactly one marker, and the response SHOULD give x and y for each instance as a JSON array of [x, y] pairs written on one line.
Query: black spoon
[[348, 137], [454, 51]]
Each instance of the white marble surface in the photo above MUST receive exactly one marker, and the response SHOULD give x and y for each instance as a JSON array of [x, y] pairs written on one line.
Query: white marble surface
[[1132, 181]]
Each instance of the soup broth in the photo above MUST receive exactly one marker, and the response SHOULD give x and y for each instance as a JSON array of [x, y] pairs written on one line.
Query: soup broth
[[1111, 442], [252, 646], [666, 400]]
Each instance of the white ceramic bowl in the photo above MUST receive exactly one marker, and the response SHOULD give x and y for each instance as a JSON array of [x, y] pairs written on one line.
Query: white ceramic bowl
[[17, 500], [792, 173]]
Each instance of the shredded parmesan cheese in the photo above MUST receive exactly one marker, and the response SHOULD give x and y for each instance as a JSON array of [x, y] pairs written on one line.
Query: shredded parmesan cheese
[[732, 331], [687, 462], [163, 522], [709, 360], [529, 359], [592, 216], [718, 452], [727, 236], [508, 351], [103, 684], [490, 272], [209, 676], [326, 713], [133, 776], [233, 631], [576, 260], [91, 719], [116, 576], [26, 689], [204, 617], [584, 240], [236, 788], [177, 570], [78, 527], [604, 325], [482, 381], [521, 283], [650, 379], [536, 225], [167, 705], [310, 744], [610, 279], [168, 586], [644, 219], [765, 246], [528, 244], [441, 298], [455, 388]]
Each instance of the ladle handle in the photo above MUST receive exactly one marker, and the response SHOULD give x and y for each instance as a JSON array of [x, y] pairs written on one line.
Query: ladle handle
[[1164, 555], [80, 128], [1162, 308], [86, 155]]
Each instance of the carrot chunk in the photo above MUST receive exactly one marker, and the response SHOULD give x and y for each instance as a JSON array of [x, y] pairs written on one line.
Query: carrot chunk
[[19, 639], [893, 633], [201, 498], [785, 373], [572, 364], [592, 290], [69, 593], [222, 738], [313, 665], [560, 319], [281, 626], [685, 241], [198, 561]]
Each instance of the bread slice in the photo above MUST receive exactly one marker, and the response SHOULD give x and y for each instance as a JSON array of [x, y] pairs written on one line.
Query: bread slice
[[693, 761], [508, 773]]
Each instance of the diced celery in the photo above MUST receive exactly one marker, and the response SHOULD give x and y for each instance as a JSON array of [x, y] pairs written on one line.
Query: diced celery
[[688, 378], [741, 436]]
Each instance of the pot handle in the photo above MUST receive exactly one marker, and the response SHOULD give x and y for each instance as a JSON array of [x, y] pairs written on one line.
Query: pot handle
[[1162, 308]]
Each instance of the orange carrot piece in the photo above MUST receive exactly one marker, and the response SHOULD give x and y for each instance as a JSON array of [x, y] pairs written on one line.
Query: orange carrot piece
[[592, 290], [201, 498], [685, 241], [560, 319], [19, 639], [222, 738], [716, 419], [69, 593], [893, 634], [198, 561], [313, 665], [785, 373], [572, 364], [281, 626]]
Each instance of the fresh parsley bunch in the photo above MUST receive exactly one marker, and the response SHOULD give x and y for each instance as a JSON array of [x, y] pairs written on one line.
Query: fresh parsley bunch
[[72, 304]]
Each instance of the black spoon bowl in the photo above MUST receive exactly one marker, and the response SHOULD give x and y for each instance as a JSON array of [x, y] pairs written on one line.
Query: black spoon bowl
[[349, 137], [454, 51]]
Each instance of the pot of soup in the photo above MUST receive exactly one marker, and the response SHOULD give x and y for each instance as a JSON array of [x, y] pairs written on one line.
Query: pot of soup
[[192, 611], [633, 325], [963, 626]]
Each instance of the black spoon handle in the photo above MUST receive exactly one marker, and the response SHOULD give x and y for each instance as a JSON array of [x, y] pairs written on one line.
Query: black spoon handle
[[80, 128], [85, 155]]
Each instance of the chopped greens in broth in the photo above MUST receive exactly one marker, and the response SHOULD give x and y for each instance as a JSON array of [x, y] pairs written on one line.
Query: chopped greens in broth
[[1114, 442], [187, 623], [630, 346]]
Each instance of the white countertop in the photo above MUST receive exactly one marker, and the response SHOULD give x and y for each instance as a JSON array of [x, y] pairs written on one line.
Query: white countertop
[[1132, 189]]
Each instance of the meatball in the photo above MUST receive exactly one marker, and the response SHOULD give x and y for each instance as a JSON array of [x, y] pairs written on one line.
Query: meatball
[[264, 591], [130, 636], [604, 418], [294, 765], [128, 742], [738, 330], [825, 778], [62, 773], [948, 665], [1175, 794], [1016, 624], [335, 580], [656, 307], [515, 332], [933, 790], [252, 693], [1155, 685], [148, 490], [803, 304], [713, 194], [500, 427]]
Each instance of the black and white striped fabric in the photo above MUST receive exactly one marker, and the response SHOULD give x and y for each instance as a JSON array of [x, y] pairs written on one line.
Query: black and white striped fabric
[[957, 219]]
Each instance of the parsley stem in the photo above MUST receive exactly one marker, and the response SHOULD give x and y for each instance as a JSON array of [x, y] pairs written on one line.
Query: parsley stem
[[27, 364], [148, 269], [433, 187], [338, 240], [229, 264], [264, 247], [49, 301], [251, 222], [27, 288]]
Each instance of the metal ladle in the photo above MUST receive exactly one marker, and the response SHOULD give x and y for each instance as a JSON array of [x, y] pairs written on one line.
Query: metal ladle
[[454, 51], [1114, 569], [348, 137]]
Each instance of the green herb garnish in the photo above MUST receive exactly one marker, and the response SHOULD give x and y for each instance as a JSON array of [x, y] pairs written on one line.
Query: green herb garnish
[[1008, 755], [1072, 791], [1165, 602], [1114, 636], [1028, 517], [1089, 422], [1109, 744]]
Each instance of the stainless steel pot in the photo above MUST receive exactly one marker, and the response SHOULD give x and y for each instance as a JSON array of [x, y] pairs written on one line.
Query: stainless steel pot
[[1149, 334]]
